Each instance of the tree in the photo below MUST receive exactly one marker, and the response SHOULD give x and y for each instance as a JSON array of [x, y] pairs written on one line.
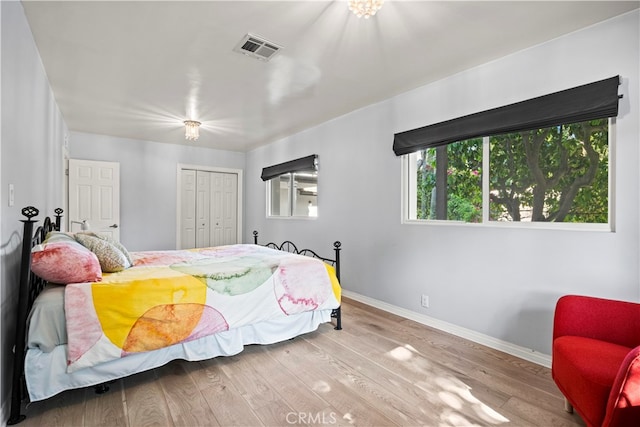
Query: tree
[[464, 182], [557, 174]]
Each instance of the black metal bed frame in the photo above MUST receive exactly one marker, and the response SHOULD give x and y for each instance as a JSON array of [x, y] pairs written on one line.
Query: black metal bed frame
[[31, 285], [288, 246]]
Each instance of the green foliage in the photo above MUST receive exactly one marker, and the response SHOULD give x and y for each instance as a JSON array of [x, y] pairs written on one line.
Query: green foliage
[[464, 182], [461, 209]]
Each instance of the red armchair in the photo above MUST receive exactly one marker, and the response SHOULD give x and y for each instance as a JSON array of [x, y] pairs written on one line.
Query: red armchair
[[596, 359]]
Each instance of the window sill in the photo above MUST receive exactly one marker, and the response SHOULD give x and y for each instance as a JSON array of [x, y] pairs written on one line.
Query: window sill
[[304, 218], [511, 225]]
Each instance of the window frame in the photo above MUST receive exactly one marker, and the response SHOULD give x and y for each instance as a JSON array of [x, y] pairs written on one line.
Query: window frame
[[408, 212]]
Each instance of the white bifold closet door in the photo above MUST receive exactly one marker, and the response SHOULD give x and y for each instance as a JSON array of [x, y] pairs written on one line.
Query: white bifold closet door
[[209, 208]]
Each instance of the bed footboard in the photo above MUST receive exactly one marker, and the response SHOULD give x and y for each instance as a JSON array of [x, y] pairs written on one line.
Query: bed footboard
[[288, 246]]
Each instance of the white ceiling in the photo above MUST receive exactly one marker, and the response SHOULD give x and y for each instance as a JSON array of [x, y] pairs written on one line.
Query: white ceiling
[[138, 69]]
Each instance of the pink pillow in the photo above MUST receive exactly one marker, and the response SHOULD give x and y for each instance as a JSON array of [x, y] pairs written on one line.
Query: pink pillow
[[66, 262]]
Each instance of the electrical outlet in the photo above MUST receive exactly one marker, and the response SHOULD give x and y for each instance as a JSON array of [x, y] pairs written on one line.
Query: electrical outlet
[[425, 301]]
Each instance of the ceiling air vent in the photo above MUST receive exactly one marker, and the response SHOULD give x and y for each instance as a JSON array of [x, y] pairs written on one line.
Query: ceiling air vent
[[257, 47]]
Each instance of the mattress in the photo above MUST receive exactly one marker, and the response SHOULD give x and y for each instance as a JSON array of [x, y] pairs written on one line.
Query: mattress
[[46, 374], [46, 324]]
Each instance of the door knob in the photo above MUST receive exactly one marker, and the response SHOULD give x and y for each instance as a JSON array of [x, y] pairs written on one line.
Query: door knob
[[113, 226]]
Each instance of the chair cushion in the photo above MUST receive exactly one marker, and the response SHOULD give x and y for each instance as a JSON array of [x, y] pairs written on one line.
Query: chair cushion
[[584, 369]]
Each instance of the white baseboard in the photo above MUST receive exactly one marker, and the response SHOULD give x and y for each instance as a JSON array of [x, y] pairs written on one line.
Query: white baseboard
[[471, 335]]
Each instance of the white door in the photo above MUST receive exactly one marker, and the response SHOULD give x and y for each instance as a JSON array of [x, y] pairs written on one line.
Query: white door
[[208, 208], [224, 202], [188, 208], [203, 209], [94, 196]]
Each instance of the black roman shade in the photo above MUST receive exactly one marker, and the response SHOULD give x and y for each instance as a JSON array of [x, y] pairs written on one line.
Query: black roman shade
[[588, 102], [301, 164]]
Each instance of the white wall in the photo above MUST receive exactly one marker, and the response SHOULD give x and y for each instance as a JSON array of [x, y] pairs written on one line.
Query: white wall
[[148, 180], [502, 282], [32, 135]]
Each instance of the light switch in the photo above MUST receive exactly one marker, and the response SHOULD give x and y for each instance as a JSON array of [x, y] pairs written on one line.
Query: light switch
[[11, 195]]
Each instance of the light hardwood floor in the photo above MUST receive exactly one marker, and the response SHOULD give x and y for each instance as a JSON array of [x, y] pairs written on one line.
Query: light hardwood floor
[[380, 370]]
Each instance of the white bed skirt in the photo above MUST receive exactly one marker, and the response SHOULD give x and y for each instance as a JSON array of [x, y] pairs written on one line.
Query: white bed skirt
[[46, 373]]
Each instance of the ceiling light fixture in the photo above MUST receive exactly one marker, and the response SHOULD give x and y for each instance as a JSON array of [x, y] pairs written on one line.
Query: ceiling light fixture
[[365, 8], [192, 130]]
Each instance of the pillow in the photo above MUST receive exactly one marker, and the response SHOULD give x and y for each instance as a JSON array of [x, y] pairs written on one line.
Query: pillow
[[114, 242], [110, 257], [58, 236], [65, 262]]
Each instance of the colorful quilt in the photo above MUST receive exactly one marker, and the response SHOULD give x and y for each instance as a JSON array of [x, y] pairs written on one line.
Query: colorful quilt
[[171, 297]]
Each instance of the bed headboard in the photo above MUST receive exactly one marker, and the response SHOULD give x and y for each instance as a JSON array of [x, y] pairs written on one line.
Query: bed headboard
[[30, 286], [33, 282]]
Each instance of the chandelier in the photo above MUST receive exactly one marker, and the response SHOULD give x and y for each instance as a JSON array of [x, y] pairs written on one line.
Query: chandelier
[[365, 8], [192, 130]]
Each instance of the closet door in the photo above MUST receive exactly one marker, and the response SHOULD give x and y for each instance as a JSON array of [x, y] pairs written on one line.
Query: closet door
[[203, 209], [224, 208], [188, 208], [208, 208]]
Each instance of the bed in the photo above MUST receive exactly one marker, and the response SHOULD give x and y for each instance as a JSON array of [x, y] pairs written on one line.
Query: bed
[[119, 313]]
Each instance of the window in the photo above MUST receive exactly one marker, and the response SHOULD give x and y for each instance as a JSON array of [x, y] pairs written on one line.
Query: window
[[447, 182], [541, 160], [553, 174], [292, 188], [293, 194]]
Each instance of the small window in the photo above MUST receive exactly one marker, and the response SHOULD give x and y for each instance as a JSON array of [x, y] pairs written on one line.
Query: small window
[[292, 188], [293, 194]]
